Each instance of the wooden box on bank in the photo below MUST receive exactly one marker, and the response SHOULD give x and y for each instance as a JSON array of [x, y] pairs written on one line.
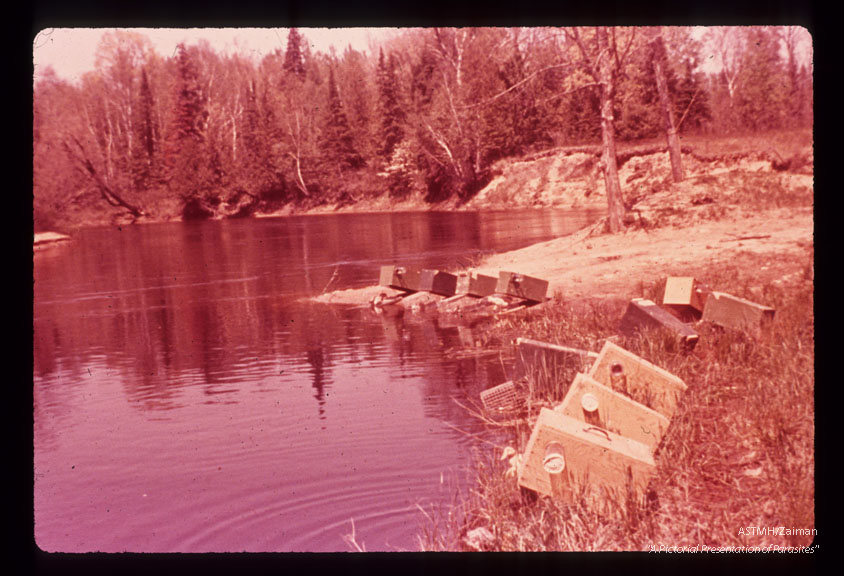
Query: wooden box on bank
[[565, 455], [643, 381], [401, 277], [441, 283], [547, 364], [684, 296], [522, 286], [593, 403], [642, 313], [733, 312]]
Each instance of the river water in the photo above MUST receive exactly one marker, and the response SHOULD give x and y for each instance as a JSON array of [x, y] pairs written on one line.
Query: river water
[[189, 398]]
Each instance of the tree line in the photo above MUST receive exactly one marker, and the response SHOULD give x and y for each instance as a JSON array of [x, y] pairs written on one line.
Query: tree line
[[199, 134]]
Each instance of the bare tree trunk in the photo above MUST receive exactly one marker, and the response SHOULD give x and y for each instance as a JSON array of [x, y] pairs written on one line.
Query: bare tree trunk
[[658, 61], [615, 202], [297, 157]]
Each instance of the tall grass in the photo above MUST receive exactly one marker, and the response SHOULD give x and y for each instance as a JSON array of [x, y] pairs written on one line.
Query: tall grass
[[739, 451]]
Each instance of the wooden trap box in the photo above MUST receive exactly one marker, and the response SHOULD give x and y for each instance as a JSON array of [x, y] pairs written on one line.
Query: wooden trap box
[[593, 403], [685, 297], [441, 283], [521, 286], [475, 284], [549, 365], [733, 312], [642, 313], [401, 277], [565, 456], [643, 381]]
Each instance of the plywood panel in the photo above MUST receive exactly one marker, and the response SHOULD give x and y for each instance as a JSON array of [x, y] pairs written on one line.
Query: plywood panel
[[643, 313], [549, 366], [734, 312], [593, 403], [643, 381], [685, 297], [595, 460]]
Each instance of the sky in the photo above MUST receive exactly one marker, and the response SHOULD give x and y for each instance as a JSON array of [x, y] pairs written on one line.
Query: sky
[[70, 51]]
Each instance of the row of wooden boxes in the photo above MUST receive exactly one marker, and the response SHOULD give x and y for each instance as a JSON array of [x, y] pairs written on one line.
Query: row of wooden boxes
[[447, 284], [685, 300]]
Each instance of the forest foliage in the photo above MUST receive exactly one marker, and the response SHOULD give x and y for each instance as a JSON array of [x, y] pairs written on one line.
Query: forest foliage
[[201, 134]]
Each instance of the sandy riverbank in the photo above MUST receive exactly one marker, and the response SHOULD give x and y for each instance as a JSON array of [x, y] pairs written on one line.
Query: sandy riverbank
[[591, 265]]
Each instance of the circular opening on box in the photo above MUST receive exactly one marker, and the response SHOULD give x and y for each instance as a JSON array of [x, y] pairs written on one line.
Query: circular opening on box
[[589, 403], [554, 462]]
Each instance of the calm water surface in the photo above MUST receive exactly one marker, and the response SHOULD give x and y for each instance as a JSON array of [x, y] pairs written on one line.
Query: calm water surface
[[187, 397]]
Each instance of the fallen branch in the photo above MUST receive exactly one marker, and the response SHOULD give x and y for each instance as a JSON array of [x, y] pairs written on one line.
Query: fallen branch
[[108, 194], [514, 86], [689, 107], [760, 237]]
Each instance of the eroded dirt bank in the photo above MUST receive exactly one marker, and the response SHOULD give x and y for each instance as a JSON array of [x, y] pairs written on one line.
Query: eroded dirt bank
[[726, 206]]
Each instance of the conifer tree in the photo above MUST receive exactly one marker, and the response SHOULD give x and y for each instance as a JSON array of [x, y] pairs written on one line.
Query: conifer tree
[[338, 143], [294, 59], [391, 114], [144, 156], [190, 110], [762, 83], [192, 170], [516, 120], [257, 166]]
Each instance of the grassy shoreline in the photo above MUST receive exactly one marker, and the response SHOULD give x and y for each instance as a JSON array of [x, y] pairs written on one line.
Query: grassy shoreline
[[739, 452]]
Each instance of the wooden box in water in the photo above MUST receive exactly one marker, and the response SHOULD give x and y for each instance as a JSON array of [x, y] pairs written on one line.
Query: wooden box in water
[[643, 381], [475, 284], [401, 277], [642, 313], [521, 286], [596, 404], [733, 312], [566, 457], [441, 283]]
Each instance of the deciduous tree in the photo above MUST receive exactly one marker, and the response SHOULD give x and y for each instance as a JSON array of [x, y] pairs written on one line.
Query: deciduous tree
[[603, 53], [659, 62]]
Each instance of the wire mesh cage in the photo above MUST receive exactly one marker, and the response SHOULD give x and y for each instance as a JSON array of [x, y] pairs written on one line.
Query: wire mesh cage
[[503, 397]]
